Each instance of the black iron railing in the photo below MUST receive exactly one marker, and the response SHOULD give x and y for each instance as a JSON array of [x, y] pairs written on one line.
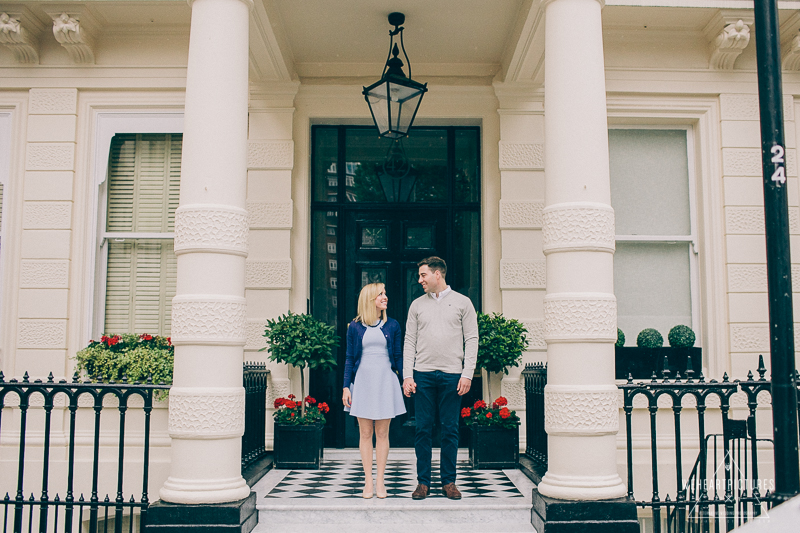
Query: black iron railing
[[535, 378], [255, 413], [723, 488], [36, 402]]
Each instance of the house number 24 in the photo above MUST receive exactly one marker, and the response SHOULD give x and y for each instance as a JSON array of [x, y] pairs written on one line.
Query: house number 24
[[779, 176]]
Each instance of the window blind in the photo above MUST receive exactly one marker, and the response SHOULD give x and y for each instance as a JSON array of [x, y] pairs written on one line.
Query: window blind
[[143, 189]]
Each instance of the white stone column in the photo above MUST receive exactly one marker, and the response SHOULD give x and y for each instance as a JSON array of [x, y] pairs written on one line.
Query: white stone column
[[582, 415], [206, 403]]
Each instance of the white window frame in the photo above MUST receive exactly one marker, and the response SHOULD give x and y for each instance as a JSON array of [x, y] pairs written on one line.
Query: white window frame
[[691, 239], [107, 125], [5, 178]]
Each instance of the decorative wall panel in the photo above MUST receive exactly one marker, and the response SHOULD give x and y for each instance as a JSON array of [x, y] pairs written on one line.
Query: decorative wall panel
[[749, 338], [44, 274], [276, 215], [41, 333], [522, 274], [268, 274], [270, 155], [50, 156], [741, 161], [519, 156], [520, 215], [53, 102], [47, 215]]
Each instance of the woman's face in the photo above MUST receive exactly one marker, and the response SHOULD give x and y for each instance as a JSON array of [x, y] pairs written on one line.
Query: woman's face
[[381, 301]]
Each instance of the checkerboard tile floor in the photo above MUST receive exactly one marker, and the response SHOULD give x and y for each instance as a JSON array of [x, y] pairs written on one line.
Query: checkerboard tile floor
[[345, 479]]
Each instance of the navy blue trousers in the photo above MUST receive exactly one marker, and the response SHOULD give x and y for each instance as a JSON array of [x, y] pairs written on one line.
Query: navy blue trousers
[[436, 390]]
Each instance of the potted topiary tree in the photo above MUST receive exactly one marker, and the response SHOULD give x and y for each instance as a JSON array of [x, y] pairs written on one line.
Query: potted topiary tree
[[494, 433], [501, 342], [301, 341], [648, 356]]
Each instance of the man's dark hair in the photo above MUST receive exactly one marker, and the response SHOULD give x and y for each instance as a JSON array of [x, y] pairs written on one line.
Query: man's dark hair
[[434, 263]]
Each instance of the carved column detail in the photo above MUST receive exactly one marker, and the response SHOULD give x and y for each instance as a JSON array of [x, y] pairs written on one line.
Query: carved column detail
[[18, 39], [581, 410], [208, 320], [578, 227], [211, 228], [580, 317], [207, 413], [76, 39]]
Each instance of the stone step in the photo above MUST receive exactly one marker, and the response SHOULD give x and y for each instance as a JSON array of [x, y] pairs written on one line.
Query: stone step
[[499, 502]]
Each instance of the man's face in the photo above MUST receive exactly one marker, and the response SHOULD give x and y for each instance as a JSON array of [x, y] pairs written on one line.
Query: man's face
[[429, 279]]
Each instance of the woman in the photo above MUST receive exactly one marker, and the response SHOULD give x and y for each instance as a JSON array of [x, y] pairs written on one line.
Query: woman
[[371, 388]]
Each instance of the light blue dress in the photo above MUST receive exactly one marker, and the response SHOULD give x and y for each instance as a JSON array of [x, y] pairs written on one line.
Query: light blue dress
[[376, 393]]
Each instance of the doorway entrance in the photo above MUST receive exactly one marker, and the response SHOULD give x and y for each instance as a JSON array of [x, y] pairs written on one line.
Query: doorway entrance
[[378, 207]]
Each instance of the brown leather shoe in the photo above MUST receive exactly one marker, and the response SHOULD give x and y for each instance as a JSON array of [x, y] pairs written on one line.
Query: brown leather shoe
[[451, 492], [421, 492]]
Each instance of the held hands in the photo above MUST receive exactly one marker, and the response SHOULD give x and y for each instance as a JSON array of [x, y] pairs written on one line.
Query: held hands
[[463, 386], [346, 399], [409, 387]]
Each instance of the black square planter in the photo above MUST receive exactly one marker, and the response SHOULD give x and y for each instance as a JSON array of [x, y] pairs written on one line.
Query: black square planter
[[298, 447], [493, 448], [642, 362]]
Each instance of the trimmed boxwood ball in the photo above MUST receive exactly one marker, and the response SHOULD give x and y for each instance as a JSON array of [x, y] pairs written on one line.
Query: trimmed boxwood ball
[[649, 338], [620, 338], [681, 336]]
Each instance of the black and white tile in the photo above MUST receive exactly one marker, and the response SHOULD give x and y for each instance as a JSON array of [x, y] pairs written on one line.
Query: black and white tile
[[345, 479]]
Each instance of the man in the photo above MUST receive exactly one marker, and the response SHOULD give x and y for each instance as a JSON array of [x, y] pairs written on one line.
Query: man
[[439, 356]]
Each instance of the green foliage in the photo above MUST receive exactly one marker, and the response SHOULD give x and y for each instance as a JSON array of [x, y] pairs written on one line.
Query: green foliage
[[501, 342], [135, 357], [649, 338], [301, 340], [498, 414], [681, 337], [620, 338]]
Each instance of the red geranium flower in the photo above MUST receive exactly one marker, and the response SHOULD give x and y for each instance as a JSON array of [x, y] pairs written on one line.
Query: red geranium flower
[[169, 341], [113, 340], [501, 401], [146, 337], [279, 402], [488, 415], [504, 412], [323, 407], [290, 404], [480, 404], [292, 415], [291, 396], [310, 400], [465, 412]]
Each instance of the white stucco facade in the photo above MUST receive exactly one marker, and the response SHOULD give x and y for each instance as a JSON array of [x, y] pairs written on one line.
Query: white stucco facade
[[665, 64]]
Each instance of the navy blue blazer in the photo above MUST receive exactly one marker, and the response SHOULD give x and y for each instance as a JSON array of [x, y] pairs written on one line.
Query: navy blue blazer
[[355, 334]]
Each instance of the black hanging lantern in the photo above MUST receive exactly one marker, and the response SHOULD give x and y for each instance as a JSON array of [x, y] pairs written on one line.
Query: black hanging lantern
[[395, 98]]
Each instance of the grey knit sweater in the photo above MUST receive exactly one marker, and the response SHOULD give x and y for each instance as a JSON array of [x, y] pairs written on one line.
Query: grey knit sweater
[[441, 335]]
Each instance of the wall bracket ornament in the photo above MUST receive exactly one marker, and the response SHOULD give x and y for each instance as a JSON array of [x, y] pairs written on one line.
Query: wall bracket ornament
[[74, 36], [791, 54], [19, 38], [728, 34]]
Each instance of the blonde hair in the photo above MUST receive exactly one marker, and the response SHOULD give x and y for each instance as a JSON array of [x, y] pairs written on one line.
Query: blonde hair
[[367, 310]]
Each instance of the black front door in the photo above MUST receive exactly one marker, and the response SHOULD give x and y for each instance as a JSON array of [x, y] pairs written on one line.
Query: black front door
[[377, 208], [384, 246]]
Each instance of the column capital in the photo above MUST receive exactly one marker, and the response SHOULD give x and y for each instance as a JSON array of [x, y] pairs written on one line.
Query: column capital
[[250, 3]]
